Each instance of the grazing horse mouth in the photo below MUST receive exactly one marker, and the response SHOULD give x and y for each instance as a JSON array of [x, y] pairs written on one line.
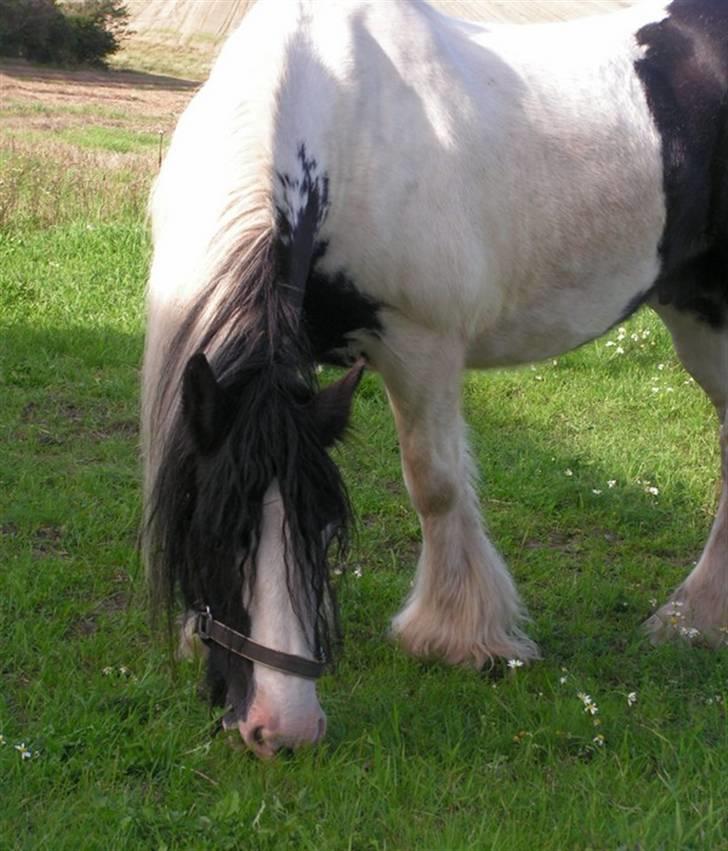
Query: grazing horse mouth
[[262, 739]]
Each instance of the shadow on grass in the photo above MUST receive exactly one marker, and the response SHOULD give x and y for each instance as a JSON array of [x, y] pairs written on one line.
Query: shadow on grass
[[39, 353], [95, 77]]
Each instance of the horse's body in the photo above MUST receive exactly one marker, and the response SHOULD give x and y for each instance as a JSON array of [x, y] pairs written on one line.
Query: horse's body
[[375, 179]]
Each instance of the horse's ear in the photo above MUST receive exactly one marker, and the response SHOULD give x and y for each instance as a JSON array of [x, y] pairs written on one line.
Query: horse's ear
[[332, 406], [204, 404]]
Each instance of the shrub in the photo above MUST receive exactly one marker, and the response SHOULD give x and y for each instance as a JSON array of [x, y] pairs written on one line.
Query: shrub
[[83, 31]]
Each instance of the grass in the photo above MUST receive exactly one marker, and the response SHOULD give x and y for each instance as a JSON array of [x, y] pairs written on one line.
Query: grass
[[164, 53], [23, 109], [113, 139], [417, 756]]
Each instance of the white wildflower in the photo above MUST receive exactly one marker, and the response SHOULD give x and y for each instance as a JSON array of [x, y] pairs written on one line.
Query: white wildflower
[[596, 492], [599, 740], [568, 472], [25, 752], [589, 705], [632, 698], [612, 483], [515, 663], [689, 632]]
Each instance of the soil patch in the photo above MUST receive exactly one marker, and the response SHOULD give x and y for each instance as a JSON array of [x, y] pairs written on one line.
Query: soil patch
[[138, 95]]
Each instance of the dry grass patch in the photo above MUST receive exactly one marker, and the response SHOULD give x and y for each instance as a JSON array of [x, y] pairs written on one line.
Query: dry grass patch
[[161, 53], [81, 145], [45, 183]]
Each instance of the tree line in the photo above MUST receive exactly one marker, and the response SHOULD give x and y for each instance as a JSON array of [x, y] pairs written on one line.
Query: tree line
[[70, 33]]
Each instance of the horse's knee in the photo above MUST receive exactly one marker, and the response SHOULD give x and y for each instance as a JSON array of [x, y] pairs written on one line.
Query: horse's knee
[[433, 492]]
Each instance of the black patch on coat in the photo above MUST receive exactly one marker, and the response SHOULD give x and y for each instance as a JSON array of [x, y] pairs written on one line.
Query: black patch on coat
[[685, 77], [333, 307]]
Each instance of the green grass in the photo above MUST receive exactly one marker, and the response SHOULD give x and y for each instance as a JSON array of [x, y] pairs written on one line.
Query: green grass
[[417, 756], [19, 108], [115, 139]]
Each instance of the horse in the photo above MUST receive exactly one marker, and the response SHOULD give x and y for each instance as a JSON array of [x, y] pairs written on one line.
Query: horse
[[374, 185]]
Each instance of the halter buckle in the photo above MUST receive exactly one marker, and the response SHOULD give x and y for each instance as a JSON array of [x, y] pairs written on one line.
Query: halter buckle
[[203, 623]]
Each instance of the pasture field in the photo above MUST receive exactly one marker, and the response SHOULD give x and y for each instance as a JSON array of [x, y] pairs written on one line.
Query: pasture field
[[598, 480]]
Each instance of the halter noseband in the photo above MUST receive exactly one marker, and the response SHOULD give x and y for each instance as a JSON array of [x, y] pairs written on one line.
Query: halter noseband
[[211, 630]]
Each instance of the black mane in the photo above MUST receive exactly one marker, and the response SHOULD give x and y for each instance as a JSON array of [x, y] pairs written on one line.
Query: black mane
[[205, 507]]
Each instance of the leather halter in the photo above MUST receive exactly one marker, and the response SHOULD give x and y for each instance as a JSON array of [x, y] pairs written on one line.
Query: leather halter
[[211, 630]]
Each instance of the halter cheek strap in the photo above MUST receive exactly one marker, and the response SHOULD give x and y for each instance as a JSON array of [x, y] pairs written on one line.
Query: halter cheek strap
[[211, 630]]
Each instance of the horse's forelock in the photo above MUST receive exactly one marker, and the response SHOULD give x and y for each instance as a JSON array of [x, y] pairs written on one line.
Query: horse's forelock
[[209, 507]]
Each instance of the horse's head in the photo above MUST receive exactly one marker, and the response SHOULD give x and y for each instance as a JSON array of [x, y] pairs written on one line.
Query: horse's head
[[256, 510]]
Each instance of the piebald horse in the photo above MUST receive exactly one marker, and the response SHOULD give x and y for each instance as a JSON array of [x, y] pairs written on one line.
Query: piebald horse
[[369, 182]]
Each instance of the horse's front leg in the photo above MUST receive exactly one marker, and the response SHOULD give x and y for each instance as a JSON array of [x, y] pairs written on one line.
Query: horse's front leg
[[464, 607]]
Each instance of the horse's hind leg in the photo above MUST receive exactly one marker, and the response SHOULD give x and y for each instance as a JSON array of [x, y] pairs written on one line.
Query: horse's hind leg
[[464, 607], [698, 610]]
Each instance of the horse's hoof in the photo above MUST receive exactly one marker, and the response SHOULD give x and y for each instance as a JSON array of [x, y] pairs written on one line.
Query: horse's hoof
[[436, 640], [676, 621]]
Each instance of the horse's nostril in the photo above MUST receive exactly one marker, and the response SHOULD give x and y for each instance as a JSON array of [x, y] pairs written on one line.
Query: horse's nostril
[[258, 736]]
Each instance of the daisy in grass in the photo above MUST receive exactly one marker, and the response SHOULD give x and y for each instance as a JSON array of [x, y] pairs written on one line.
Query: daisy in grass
[[589, 705]]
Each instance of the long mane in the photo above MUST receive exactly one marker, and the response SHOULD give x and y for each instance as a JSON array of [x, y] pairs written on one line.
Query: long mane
[[201, 541]]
